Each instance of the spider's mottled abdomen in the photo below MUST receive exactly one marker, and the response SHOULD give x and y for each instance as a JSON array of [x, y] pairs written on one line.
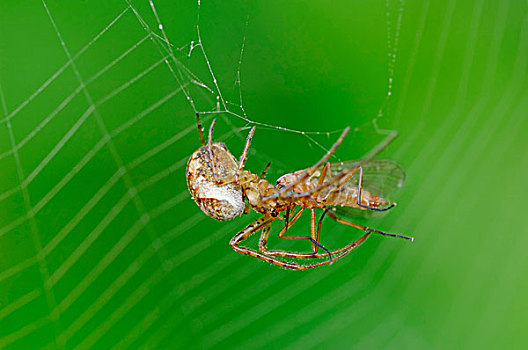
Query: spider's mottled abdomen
[[219, 201]]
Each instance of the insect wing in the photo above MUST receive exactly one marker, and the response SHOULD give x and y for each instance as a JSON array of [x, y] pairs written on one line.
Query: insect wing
[[380, 177]]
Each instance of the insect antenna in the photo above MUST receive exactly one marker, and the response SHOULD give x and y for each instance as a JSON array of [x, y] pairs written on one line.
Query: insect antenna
[[200, 128]]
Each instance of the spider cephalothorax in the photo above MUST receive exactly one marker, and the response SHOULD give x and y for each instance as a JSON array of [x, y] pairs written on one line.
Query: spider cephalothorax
[[218, 184]]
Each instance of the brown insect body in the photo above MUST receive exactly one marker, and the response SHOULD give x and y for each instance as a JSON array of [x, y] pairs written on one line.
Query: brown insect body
[[345, 195]]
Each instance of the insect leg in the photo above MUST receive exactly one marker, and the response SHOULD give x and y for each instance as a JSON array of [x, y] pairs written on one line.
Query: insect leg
[[367, 229], [319, 226], [341, 251], [263, 240], [287, 218], [314, 238], [326, 169], [265, 224], [313, 233], [358, 202], [265, 234], [262, 223], [283, 192]]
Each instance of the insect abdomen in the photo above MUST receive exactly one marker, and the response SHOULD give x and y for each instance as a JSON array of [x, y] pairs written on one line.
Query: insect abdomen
[[348, 197]]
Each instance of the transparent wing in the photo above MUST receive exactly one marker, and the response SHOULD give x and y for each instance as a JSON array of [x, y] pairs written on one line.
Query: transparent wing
[[380, 177]]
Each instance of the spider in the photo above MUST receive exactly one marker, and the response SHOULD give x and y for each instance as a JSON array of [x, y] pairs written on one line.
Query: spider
[[224, 190]]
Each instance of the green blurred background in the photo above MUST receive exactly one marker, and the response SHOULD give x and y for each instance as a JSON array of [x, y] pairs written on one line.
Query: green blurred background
[[102, 246]]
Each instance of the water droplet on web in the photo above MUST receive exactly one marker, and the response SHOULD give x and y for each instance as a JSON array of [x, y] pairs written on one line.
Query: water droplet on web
[[160, 26]]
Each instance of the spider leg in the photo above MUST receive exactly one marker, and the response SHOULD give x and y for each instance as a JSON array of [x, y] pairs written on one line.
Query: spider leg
[[358, 202], [261, 223], [367, 229], [243, 157], [200, 128], [215, 175], [231, 178], [312, 238], [315, 238], [341, 251], [265, 224]]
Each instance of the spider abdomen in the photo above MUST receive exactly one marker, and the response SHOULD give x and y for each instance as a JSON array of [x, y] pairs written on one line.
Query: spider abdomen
[[219, 201]]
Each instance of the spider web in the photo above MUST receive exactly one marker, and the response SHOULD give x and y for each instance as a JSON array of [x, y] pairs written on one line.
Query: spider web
[[92, 195]]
